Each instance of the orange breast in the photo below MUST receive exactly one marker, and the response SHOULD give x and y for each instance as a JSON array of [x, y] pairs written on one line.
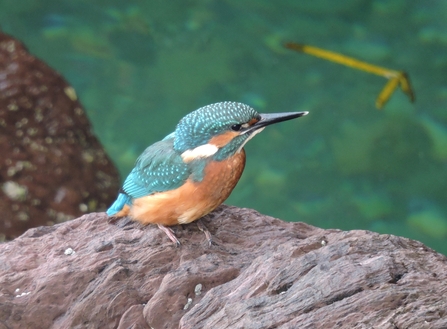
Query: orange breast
[[194, 199]]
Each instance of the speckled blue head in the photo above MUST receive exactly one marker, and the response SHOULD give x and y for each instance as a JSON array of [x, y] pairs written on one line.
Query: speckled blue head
[[200, 134], [199, 126]]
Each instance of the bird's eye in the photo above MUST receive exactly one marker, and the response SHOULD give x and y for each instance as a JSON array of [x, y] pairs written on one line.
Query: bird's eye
[[236, 127]]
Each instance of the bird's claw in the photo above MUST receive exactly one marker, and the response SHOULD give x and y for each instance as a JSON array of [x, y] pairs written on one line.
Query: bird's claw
[[203, 228], [170, 233]]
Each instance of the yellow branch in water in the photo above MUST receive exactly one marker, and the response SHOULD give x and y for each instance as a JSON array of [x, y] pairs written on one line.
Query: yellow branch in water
[[396, 78], [387, 91], [406, 86]]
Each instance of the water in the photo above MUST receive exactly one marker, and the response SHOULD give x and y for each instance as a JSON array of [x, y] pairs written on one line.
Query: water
[[139, 66]]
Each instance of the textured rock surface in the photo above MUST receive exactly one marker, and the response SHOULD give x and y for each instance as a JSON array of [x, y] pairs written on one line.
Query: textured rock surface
[[52, 167], [262, 273]]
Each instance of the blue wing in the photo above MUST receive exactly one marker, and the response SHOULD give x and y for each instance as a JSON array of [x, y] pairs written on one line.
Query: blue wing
[[159, 168]]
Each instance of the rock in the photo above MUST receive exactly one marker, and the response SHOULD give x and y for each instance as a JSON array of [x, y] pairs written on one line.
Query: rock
[[261, 273], [52, 167]]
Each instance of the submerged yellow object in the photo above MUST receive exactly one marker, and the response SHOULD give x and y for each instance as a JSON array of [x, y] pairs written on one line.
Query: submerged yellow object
[[396, 78]]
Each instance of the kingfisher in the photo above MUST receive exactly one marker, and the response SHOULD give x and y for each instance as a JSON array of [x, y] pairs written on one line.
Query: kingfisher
[[193, 170]]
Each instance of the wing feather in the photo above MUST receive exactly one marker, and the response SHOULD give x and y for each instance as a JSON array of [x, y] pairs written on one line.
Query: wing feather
[[159, 168]]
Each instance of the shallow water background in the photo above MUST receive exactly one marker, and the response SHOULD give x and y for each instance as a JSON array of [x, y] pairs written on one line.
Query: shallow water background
[[139, 66]]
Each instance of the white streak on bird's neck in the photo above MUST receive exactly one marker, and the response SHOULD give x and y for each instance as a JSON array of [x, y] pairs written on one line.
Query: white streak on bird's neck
[[250, 137], [202, 151]]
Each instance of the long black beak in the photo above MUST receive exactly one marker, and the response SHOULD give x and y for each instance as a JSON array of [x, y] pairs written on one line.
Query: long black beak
[[271, 118]]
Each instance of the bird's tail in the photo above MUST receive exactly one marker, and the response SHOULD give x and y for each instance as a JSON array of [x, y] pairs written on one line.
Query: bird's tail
[[119, 204]]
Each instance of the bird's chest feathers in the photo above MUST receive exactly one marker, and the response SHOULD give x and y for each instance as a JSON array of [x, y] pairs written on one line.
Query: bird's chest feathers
[[220, 177], [195, 198]]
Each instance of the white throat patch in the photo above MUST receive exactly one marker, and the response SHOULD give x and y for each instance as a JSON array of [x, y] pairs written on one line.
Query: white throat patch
[[250, 137], [202, 151]]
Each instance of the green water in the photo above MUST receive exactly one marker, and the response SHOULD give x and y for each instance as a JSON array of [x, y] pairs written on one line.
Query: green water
[[139, 66]]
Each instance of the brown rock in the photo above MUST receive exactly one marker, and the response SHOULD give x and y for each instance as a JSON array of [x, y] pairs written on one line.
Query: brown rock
[[261, 273], [52, 167]]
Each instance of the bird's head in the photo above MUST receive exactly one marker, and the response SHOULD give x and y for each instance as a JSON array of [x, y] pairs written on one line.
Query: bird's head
[[222, 129]]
